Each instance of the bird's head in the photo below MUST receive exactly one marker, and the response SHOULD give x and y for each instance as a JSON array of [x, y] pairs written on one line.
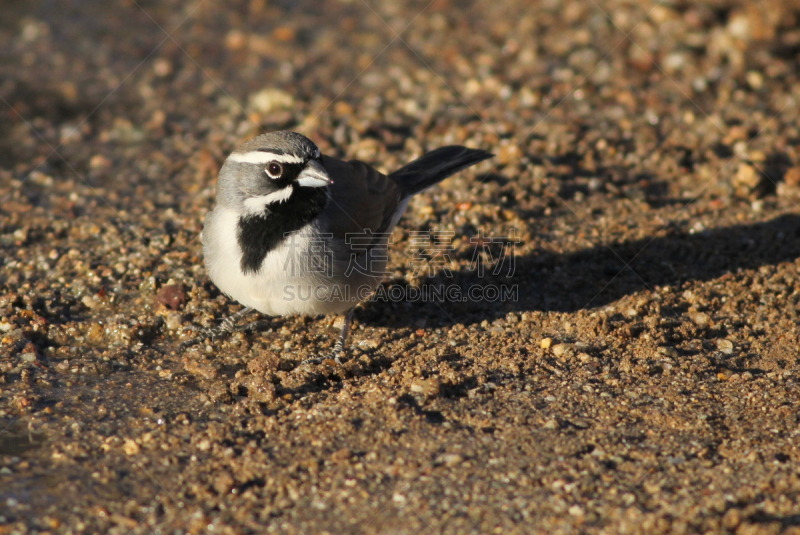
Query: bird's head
[[269, 170]]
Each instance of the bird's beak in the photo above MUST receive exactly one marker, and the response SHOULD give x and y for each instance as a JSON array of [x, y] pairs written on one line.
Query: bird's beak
[[314, 175]]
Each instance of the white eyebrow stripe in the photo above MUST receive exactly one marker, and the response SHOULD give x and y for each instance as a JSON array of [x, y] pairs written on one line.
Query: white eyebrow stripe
[[260, 157], [256, 205]]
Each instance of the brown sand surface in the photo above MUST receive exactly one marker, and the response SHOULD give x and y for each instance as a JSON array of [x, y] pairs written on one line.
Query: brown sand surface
[[640, 376]]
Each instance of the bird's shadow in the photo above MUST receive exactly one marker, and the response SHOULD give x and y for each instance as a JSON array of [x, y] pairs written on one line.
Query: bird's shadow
[[591, 278], [548, 281]]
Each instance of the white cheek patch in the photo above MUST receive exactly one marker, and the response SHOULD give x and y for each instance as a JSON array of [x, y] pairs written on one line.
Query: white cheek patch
[[256, 205], [259, 157]]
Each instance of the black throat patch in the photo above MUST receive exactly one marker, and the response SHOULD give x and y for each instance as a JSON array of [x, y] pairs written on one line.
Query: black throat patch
[[258, 234]]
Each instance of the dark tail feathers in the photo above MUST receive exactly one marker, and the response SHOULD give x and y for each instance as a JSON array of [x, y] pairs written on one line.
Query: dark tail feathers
[[433, 167]]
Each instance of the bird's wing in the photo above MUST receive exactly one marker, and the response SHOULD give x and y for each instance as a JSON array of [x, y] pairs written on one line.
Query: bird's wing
[[362, 200]]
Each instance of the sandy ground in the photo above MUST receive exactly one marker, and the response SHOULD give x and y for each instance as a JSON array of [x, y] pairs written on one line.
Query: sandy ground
[[640, 377]]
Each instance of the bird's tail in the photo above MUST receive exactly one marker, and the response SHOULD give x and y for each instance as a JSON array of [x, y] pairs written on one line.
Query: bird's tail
[[435, 166]]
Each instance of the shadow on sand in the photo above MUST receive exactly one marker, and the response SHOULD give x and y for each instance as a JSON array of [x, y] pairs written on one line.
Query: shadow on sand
[[601, 275]]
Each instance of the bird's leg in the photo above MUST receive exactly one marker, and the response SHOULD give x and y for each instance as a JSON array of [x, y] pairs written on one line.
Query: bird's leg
[[252, 326], [225, 328], [339, 347]]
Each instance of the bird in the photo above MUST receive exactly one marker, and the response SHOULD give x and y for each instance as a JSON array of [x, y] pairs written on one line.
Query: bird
[[297, 232]]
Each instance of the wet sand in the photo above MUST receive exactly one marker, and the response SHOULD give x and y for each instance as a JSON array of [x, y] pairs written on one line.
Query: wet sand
[[640, 377]]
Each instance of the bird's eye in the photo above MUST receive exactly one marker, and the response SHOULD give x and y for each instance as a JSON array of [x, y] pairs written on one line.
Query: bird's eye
[[274, 170]]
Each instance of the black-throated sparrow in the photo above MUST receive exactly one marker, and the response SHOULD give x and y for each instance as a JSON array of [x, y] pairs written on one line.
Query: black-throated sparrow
[[298, 232]]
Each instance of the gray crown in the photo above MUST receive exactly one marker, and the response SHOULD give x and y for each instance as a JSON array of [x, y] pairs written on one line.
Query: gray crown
[[240, 178], [281, 142]]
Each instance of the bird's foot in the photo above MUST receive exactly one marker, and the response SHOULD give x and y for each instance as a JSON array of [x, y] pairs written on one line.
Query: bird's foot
[[214, 334], [224, 329], [253, 326], [333, 355], [338, 349]]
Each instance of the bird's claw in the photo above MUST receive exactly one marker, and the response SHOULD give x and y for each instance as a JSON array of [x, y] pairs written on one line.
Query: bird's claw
[[334, 356], [213, 334], [339, 347], [226, 327]]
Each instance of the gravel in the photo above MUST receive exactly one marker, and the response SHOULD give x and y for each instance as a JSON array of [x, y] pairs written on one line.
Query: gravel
[[642, 378]]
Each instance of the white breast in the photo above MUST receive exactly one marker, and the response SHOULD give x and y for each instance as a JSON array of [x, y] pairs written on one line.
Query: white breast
[[287, 282]]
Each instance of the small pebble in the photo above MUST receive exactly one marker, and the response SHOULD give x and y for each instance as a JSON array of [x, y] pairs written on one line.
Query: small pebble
[[754, 79], [429, 387], [203, 369], [223, 483], [260, 389], [95, 332], [792, 177], [174, 321], [270, 100], [130, 447], [172, 296], [699, 318], [725, 346], [341, 455], [90, 302], [669, 352], [450, 459], [563, 350], [550, 424]]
